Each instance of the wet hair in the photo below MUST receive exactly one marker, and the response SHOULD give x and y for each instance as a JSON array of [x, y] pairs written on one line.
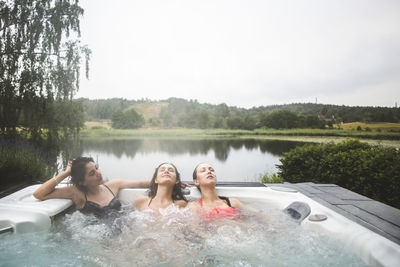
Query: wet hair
[[195, 171], [195, 175], [177, 193], [198, 187], [78, 172]]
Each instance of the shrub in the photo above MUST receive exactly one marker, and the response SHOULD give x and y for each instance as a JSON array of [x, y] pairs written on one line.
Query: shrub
[[268, 178], [20, 161], [372, 171], [129, 119]]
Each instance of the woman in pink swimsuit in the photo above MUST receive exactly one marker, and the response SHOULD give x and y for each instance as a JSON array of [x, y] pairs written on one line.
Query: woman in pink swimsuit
[[212, 206], [165, 190]]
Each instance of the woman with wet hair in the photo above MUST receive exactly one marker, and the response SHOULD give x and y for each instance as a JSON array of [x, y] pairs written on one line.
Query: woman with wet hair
[[211, 205], [89, 192], [165, 190]]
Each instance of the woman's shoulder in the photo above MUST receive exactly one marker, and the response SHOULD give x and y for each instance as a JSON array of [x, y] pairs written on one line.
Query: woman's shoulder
[[181, 203], [141, 201], [114, 185], [77, 196], [235, 202]]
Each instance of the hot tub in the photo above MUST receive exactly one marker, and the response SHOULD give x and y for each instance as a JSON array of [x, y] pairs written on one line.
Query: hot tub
[[21, 213]]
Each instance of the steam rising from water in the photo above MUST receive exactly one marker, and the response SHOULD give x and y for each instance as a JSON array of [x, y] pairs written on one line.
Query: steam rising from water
[[177, 238]]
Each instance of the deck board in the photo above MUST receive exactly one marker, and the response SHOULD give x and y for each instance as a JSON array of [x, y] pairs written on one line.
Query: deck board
[[376, 216]]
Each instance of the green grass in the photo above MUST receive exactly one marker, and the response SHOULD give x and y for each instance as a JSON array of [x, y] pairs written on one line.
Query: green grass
[[102, 131], [332, 132], [389, 138]]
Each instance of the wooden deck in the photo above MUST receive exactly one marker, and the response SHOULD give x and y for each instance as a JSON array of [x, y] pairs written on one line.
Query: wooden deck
[[376, 216]]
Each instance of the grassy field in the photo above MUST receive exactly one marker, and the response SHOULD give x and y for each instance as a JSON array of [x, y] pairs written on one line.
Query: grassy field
[[389, 135], [92, 125], [375, 127]]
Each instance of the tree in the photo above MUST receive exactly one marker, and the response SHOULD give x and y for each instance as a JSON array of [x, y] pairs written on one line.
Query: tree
[[117, 119], [234, 122], [281, 119], [129, 119], [133, 119], [40, 57], [250, 122], [203, 120], [222, 110], [165, 117]]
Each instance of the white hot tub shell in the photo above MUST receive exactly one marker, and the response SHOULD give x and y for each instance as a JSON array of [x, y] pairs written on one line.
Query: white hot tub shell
[[20, 212]]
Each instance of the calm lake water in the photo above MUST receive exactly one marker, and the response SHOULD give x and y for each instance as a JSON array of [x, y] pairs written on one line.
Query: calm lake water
[[239, 160]]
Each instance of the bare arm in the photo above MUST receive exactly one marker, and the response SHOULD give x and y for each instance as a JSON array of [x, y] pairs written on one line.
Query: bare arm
[[133, 184], [260, 216], [118, 184], [47, 190]]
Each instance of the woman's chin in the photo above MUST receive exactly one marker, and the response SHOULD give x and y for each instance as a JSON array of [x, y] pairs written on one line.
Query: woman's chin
[[210, 183], [166, 182]]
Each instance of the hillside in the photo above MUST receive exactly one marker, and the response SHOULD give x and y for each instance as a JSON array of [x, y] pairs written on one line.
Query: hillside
[[177, 112], [149, 110]]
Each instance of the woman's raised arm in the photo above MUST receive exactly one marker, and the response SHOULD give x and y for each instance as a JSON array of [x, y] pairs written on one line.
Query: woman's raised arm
[[118, 184], [47, 190]]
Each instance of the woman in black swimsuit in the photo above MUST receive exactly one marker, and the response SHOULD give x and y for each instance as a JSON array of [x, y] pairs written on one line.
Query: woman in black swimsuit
[[88, 191]]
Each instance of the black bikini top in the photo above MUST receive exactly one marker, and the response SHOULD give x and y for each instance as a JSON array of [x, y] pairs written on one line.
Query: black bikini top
[[101, 211]]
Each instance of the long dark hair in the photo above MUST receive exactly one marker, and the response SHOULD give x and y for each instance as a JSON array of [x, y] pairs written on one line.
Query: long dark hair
[[177, 193], [78, 172], [195, 175]]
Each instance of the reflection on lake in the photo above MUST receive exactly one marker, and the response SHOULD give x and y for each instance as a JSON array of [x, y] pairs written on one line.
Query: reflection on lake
[[233, 159]]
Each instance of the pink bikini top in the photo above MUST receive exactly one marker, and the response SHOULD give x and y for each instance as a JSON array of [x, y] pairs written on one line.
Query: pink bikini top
[[220, 213]]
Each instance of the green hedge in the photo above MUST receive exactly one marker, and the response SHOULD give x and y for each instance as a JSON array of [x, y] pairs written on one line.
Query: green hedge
[[373, 171], [23, 162]]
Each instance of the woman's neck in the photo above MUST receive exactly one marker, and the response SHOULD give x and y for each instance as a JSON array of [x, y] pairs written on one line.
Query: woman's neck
[[164, 195], [209, 194], [93, 190]]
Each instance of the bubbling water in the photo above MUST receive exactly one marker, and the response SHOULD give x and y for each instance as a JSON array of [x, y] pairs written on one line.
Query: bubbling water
[[177, 237]]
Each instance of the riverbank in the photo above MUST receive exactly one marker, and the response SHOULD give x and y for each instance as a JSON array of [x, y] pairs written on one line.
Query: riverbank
[[373, 137]]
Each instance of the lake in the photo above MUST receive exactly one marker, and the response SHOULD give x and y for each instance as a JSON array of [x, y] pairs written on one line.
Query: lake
[[238, 160]]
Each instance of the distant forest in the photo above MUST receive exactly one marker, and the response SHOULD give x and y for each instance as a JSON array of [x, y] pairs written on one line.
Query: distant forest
[[177, 112]]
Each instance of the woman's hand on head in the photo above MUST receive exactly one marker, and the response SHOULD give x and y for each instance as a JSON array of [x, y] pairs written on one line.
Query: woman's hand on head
[[184, 185], [68, 168]]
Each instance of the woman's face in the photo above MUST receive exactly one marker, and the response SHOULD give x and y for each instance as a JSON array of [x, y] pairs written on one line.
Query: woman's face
[[166, 174], [93, 175], [205, 175]]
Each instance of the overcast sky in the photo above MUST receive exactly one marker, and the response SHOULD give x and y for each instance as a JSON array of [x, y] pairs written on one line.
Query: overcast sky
[[244, 52]]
